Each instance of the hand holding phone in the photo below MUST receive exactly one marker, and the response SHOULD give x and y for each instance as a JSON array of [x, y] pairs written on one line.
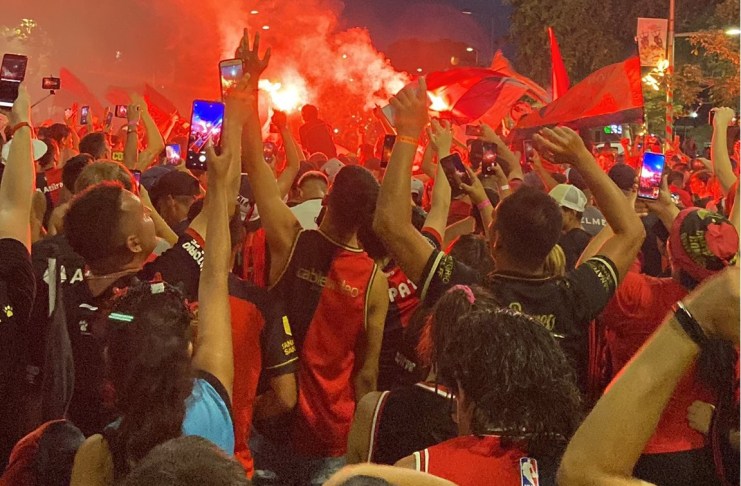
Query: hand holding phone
[[172, 153], [206, 123], [230, 72], [84, 114], [121, 111], [649, 181], [137, 178], [12, 73], [51, 83], [474, 131], [455, 173]]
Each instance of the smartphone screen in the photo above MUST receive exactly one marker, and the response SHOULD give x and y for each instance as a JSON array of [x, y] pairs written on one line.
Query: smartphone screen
[[231, 71], [84, 112], [121, 111], [474, 131], [268, 151], [172, 153], [650, 179], [527, 150], [137, 177], [12, 72], [206, 122], [390, 113], [388, 147], [109, 119], [475, 152], [453, 167], [51, 83]]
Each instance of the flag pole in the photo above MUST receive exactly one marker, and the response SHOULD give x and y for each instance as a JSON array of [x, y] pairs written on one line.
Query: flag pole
[[669, 79]]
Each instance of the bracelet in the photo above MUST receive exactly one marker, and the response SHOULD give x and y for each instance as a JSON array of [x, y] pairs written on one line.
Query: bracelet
[[405, 139], [690, 325], [19, 126], [486, 203], [504, 187]]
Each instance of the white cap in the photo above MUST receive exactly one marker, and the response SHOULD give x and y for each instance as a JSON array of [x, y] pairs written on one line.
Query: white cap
[[39, 150], [331, 168], [568, 196], [417, 186]]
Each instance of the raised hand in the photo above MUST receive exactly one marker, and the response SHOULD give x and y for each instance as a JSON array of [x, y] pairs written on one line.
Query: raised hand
[[714, 304], [410, 105], [475, 190], [723, 116], [562, 145], [440, 134], [489, 135], [253, 65], [279, 119], [21, 111]]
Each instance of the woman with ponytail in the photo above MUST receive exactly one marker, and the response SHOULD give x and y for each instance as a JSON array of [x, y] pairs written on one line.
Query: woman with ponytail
[[167, 378]]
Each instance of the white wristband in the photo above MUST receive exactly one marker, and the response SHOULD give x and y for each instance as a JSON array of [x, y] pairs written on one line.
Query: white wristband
[[504, 187]]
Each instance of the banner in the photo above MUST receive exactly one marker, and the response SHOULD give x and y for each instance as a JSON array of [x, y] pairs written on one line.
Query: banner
[[652, 40], [559, 77], [609, 96]]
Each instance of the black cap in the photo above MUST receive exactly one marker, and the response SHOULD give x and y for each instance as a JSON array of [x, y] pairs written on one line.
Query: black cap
[[623, 175], [174, 183]]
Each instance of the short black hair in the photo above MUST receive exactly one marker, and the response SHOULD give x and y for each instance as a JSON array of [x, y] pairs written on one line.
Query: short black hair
[[310, 112], [91, 224], [93, 144], [472, 250], [352, 199], [51, 148], [58, 132], [73, 168], [528, 225], [187, 461], [677, 176], [313, 175]]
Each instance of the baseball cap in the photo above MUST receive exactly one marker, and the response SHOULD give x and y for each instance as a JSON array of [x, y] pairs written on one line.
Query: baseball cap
[[570, 197], [150, 176], [702, 243], [623, 176], [331, 168], [174, 183], [39, 149]]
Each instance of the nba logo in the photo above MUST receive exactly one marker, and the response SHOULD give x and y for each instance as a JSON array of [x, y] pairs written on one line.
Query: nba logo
[[528, 472]]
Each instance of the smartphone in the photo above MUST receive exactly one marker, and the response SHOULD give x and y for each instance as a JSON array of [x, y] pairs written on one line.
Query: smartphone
[[453, 167], [388, 147], [172, 153], [51, 83], [649, 181], [527, 150], [137, 177], [474, 131], [84, 112], [268, 151], [121, 111], [390, 113], [206, 123], [12, 73], [230, 71], [109, 119]]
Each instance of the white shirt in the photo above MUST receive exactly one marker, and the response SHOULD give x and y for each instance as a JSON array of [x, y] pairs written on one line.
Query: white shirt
[[307, 212]]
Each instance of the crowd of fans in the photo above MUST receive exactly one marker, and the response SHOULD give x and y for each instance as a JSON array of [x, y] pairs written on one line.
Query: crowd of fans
[[302, 316]]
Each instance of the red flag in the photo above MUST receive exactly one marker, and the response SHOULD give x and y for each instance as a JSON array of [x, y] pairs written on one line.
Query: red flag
[[610, 95], [75, 91], [559, 77], [160, 107]]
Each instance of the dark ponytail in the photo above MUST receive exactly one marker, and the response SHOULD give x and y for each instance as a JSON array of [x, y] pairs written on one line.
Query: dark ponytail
[[149, 365]]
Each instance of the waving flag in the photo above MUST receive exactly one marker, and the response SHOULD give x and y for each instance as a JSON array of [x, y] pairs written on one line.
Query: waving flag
[[75, 91], [611, 95], [559, 77]]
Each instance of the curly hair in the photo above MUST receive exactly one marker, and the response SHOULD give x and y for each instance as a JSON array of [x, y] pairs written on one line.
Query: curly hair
[[149, 331], [515, 375], [473, 250]]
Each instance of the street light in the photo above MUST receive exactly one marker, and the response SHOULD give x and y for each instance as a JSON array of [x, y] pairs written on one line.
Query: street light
[[469, 49], [265, 27], [733, 31], [254, 12]]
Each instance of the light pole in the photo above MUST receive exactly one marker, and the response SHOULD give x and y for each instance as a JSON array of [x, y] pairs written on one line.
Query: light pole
[[669, 81]]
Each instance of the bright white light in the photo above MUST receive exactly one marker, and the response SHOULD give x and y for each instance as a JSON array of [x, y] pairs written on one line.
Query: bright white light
[[265, 27], [286, 96], [733, 31], [469, 49], [438, 103], [693, 114], [344, 56], [466, 12], [419, 70], [254, 12]]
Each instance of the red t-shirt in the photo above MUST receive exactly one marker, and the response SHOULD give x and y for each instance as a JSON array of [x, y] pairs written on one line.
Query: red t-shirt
[[474, 461], [638, 308]]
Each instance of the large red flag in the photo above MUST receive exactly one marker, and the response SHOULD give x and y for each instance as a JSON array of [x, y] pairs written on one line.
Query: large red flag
[[611, 95], [75, 91], [559, 77]]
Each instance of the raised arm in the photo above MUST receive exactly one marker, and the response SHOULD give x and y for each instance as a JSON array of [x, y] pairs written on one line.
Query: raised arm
[[19, 179], [566, 146], [213, 348], [548, 181], [510, 160], [393, 218], [293, 154], [428, 161], [155, 142], [131, 148], [441, 137], [369, 352], [609, 442], [719, 148], [280, 224]]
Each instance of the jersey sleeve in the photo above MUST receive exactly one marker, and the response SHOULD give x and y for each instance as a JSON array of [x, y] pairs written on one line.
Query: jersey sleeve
[[180, 265], [278, 346], [441, 273], [433, 237], [593, 283]]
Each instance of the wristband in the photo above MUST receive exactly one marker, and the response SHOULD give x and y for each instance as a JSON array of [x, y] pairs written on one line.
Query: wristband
[[689, 324], [486, 203], [405, 139], [504, 187], [19, 126]]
